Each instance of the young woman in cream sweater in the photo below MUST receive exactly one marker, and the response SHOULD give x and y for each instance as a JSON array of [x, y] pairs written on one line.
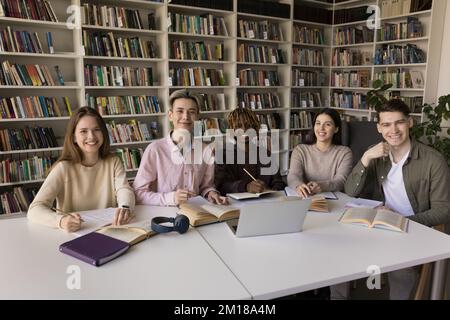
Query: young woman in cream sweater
[[86, 176]]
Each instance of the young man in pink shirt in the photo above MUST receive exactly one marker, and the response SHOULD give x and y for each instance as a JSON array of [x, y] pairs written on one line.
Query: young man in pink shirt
[[174, 168]]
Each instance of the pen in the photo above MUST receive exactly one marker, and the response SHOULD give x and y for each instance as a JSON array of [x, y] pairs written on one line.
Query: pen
[[250, 175], [64, 213]]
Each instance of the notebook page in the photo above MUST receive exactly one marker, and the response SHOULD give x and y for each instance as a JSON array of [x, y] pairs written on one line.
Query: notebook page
[[95, 219]]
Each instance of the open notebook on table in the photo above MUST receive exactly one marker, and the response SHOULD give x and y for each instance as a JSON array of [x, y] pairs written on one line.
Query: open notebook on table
[[250, 195]]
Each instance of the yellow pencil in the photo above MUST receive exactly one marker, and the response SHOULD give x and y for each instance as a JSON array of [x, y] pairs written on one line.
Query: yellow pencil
[[250, 175], [64, 213]]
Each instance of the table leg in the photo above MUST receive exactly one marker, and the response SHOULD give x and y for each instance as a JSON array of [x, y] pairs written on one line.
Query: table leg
[[438, 280]]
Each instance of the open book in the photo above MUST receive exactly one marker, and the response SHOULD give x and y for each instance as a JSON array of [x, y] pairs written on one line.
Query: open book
[[131, 233], [318, 201], [200, 211], [371, 218], [249, 195]]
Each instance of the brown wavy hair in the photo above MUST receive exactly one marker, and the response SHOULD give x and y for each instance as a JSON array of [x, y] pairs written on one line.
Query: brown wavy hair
[[71, 152]]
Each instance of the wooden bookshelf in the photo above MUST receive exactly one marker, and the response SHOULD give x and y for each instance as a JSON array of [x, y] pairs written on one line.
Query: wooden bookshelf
[[72, 56]]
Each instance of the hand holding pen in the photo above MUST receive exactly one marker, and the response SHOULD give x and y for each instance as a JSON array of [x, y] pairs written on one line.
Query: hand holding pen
[[70, 222], [255, 186]]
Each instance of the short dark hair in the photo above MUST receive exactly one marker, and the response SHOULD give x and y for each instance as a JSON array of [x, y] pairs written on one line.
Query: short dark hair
[[393, 105], [337, 123]]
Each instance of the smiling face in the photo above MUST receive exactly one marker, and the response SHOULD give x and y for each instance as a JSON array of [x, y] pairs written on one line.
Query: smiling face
[[183, 114], [88, 136], [394, 127], [324, 128]]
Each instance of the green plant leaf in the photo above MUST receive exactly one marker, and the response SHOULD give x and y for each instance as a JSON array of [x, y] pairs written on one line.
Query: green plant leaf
[[377, 84]]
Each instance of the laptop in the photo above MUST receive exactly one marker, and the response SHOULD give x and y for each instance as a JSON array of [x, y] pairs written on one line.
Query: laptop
[[274, 217]]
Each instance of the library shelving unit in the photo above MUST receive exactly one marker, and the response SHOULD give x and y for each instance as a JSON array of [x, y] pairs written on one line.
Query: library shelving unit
[[67, 56], [377, 50], [311, 54], [264, 33], [282, 77]]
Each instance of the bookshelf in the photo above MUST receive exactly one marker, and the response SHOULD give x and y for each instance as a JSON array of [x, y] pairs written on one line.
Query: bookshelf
[[397, 25], [291, 47]]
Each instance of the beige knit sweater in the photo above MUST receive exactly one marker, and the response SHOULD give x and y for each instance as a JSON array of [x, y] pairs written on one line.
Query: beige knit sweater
[[77, 188], [328, 168]]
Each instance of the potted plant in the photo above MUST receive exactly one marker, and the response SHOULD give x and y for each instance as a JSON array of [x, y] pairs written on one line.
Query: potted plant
[[430, 131], [376, 96]]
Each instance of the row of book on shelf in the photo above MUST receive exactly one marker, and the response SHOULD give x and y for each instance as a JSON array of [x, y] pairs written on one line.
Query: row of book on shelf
[[17, 74], [115, 17], [350, 57], [298, 137], [206, 24], [412, 28], [31, 169], [263, 30], [32, 138], [399, 54], [27, 138], [352, 35], [358, 100], [17, 200], [196, 76], [302, 78], [117, 76], [106, 44], [308, 57], [196, 50], [132, 131], [121, 105], [306, 99], [24, 41], [390, 8], [308, 35], [34, 107], [258, 100], [260, 54], [250, 77], [300, 120], [353, 79], [28, 9]]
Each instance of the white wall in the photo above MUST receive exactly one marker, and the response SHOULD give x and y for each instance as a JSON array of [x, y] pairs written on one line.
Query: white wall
[[444, 74]]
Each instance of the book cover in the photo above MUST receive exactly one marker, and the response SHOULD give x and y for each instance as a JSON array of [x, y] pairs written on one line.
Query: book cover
[[94, 248]]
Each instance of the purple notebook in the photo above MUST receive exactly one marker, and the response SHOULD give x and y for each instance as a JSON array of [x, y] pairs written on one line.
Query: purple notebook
[[94, 248]]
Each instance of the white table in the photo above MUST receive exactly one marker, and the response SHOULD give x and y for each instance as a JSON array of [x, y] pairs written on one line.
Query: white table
[[325, 253], [166, 266]]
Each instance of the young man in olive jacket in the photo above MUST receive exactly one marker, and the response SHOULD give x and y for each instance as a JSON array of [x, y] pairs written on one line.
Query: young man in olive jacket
[[411, 179]]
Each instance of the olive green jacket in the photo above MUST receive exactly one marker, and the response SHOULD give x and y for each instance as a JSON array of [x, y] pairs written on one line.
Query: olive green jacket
[[427, 182]]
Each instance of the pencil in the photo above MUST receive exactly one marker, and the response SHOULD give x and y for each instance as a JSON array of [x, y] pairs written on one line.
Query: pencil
[[64, 213], [250, 175]]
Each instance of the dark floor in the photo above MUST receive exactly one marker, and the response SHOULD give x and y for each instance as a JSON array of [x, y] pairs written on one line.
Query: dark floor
[[359, 291]]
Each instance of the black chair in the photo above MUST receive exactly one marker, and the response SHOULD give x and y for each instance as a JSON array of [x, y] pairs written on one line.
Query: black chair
[[359, 136]]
